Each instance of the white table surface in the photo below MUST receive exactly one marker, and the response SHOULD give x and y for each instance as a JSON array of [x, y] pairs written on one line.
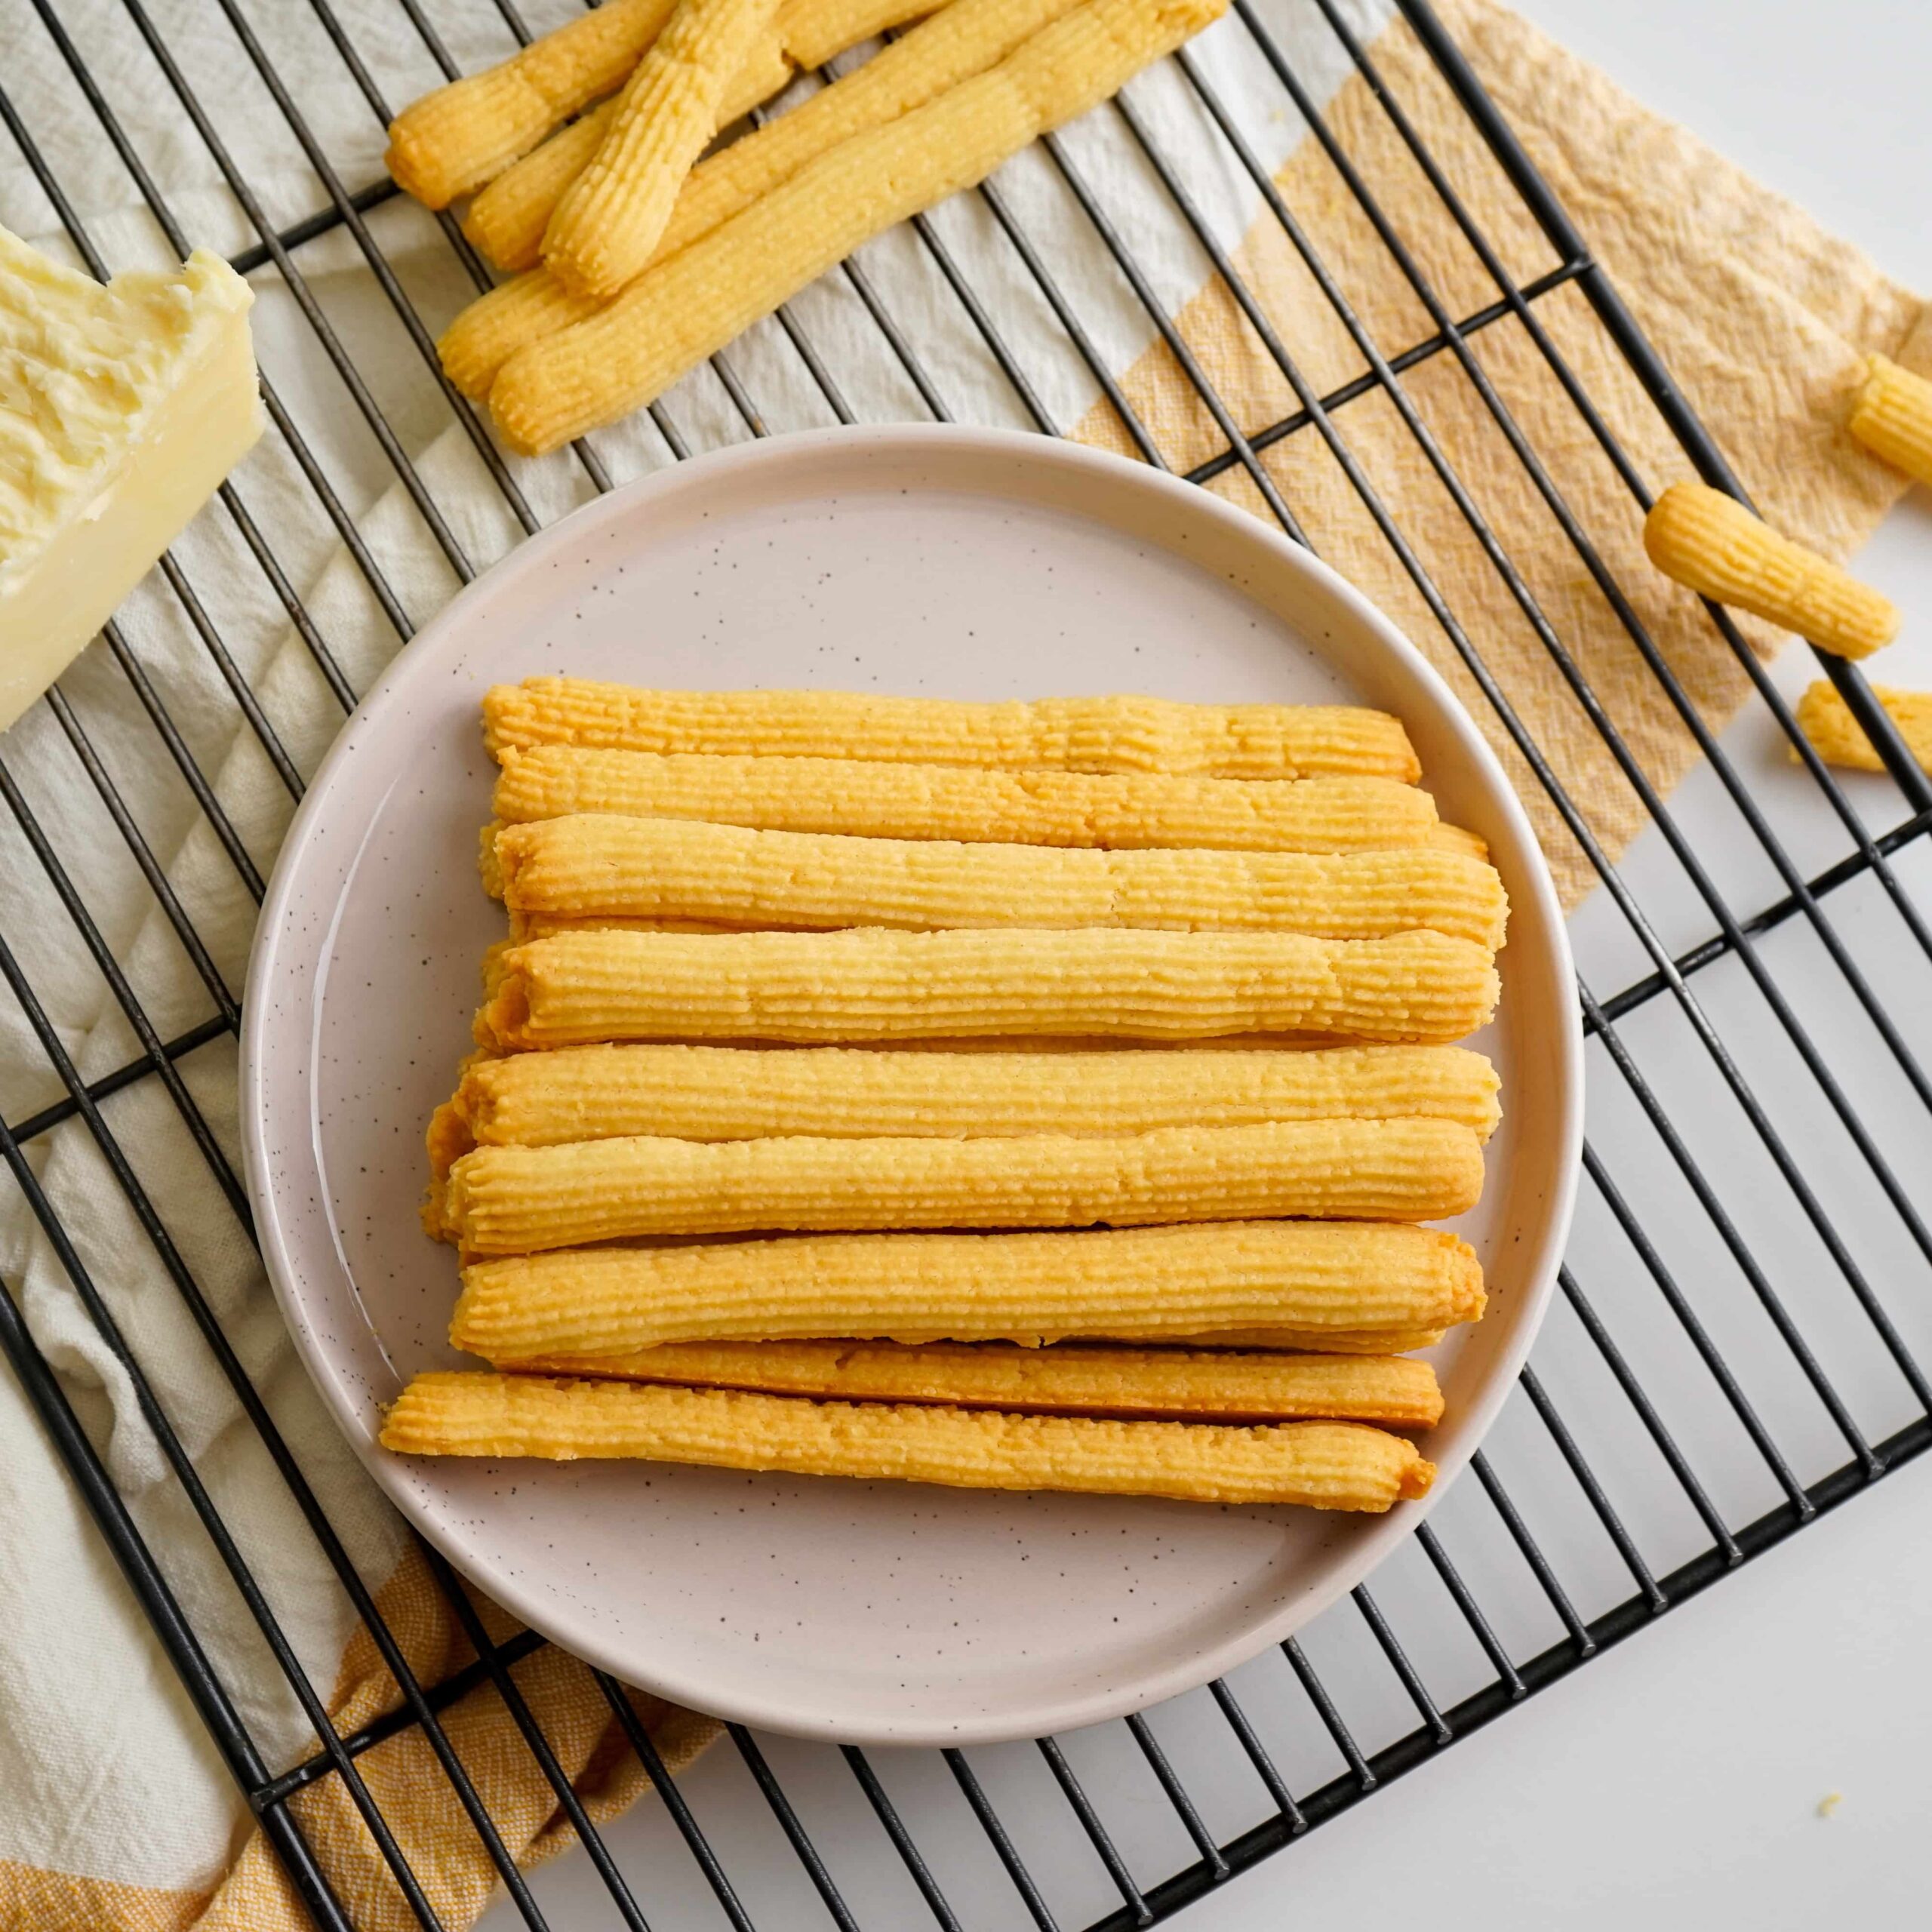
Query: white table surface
[[1681, 1777]]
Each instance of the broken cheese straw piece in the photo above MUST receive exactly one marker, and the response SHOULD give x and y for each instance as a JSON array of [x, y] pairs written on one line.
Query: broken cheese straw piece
[[1893, 417], [1319, 1279], [1328, 1465], [1826, 720], [676, 868], [741, 1094], [607, 226], [1121, 812], [518, 1200], [809, 989], [1711, 544], [688, 306], [508, 217], [1128, 734], [456, 137], [1230, 1387]]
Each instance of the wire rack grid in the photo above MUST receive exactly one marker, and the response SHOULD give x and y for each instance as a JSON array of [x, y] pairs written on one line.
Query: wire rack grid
[[1689, 1407]]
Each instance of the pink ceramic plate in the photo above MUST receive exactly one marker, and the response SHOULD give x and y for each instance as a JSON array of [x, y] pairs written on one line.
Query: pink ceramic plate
[[964, 564]]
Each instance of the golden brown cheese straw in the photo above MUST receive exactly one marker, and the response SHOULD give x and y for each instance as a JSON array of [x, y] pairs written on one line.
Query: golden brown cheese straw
[[1711, 544], [676, 868], [508, 218], [515, 1200], [1893, 417], [1090, 734], [687, 307], [1170, 1384], [1839, 739], [1318, 1280], [877, 800], [455, 138], [1326, 1465], [607, 225], [576, 988], [740, 1093]]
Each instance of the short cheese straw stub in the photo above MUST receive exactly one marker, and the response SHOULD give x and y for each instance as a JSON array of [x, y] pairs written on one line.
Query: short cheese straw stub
[[678, 869], [1838, 738], [1711, 544], [458, 136], [1174, 1284], [606, 225], [1092, 734], [512, 1200], [1893, 417], [1122, 811], [1328, 1465], [579, 988], [689, 304], [1074, 1378], [745, 1093]]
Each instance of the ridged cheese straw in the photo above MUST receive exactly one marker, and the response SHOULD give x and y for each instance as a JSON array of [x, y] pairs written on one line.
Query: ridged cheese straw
[[877, 800], [606, 226], [1711, 544], [1171, 1384], [697, 301], [1091, 734], [1324, 1465], [577, 988], [679, 869], [516, 1199], [741, 1094], [1839, 739], [1893, 417], [1322, 1280], [508, 218]]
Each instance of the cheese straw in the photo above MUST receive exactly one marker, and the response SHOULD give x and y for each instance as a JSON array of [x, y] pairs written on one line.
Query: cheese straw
[[692, 303], [1329, 1465], [658, 869], [1072, 1379], [1318, 1279], [1090, 734], [607, 225], [1711, 544], [741, 1094], [508, 219], [1122, 812], [1826, 720], [576, 988]]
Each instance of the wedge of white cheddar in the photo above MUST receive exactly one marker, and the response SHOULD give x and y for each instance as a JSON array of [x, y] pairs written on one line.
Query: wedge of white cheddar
[[123, 405]]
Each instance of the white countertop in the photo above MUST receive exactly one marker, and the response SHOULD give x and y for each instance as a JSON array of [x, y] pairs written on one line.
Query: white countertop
[[1681, 1776]]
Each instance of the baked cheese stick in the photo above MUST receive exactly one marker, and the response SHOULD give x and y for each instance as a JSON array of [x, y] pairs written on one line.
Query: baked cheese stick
[[746, 1093], [680, 869], [516, 1199], [607, 226], [1090, 734], [693, 303], [1826, 720], [458, 137], [1319, 1280], [1122, 812], [1893, 417], [1711, 544], [508, 219], [1173, 1384], [576, 988], [1326, 1465]]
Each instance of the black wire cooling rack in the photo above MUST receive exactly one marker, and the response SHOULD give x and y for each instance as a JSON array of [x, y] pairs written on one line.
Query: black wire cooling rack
[[1720, 1366]]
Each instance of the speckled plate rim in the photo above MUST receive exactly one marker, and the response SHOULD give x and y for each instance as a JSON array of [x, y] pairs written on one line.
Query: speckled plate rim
[[1535, 910]]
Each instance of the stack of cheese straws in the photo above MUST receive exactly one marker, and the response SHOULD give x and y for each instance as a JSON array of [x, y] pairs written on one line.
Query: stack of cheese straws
[[1031, 1096]]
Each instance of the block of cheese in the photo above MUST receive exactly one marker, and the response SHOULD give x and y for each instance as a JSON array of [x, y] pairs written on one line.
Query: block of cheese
[[123, 405]]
